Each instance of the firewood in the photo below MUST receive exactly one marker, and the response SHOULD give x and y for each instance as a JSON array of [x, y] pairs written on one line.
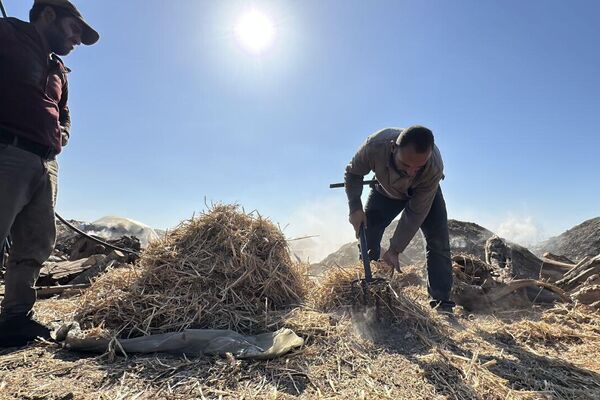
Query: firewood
[[581, 278], [496, 294], [583, 265], [553, 271], [578, 274], [561, 259], [46, 291]]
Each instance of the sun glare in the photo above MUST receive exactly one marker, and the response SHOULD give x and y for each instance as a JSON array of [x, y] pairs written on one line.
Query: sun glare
[[255, 32]]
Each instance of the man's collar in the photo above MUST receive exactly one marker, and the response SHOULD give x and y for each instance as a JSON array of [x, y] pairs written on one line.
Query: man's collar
[[56, 59], [392, 164]]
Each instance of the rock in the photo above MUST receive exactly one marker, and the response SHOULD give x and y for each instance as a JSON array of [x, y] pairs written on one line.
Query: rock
[[56, 258], [84, 247], [511, 260], [465, 237], [587, 294], [128, 243], [592, 280], [118, 256], [65, 237], [472, 271], [576, 243]]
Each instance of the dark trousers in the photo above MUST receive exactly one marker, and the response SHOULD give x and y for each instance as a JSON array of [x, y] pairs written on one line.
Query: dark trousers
[[28, 187], [382, 210]]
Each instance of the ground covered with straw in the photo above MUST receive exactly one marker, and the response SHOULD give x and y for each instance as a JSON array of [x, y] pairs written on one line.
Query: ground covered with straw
[[523, 354], [230, 269]]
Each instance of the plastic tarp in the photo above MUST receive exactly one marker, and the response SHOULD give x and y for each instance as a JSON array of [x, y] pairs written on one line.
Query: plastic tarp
[[194, 342]]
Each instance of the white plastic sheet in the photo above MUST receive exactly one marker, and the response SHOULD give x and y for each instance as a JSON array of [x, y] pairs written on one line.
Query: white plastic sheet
[[194, 342]]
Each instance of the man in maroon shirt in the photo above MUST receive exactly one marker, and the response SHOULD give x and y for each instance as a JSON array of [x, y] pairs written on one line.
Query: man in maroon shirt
[[34, 125]]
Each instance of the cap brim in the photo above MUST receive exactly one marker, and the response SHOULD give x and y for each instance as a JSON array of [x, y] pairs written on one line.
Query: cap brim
[[89, 35]]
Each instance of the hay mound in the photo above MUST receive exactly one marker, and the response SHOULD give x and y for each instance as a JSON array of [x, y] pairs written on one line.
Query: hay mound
[[224, 269], [338, 290], [335, 289]]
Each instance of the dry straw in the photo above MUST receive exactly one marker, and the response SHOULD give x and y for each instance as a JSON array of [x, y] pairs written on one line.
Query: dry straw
[[530, 354], [216, 271], [338, 290], [225, 269]]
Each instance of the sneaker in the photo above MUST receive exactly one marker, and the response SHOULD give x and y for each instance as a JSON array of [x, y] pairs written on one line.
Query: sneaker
[[21, 330]]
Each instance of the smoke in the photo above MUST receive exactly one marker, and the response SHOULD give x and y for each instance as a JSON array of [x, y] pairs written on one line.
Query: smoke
[[364, 322], [327, 218], [112, 227], [458, 242], [522, 230], [518, 226]]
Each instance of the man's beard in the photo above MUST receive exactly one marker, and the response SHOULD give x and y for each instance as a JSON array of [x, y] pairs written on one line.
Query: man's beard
[[57, 39]]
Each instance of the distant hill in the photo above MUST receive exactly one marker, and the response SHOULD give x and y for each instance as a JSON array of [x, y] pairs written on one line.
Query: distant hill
[[578, 242], [464, 237]]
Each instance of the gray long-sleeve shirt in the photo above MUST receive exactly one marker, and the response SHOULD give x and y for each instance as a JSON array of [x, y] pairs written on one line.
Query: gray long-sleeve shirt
[[376, 155]]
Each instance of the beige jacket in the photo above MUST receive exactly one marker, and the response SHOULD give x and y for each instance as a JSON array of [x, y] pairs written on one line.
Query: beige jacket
[[376, 155]]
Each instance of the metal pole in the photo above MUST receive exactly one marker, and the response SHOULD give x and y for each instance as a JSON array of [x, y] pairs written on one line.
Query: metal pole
[[364, 253], [4, 250], [3, 10], [341, 185], [5, 245]]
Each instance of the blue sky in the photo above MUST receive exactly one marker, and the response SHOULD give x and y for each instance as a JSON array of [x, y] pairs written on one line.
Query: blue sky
[[169, 110]]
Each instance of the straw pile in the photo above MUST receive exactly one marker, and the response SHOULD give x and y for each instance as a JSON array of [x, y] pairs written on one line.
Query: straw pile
[[225, 269], [385, 303], [335, 288]]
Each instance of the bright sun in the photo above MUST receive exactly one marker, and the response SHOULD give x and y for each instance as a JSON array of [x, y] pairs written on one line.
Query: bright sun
[[255, 32]]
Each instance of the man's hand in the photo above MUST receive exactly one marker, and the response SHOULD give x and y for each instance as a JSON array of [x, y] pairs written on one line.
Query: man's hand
[[357, 218], [390, 257]]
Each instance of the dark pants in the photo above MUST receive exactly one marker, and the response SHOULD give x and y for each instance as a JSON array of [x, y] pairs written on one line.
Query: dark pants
[[28, 186], [382, 210]]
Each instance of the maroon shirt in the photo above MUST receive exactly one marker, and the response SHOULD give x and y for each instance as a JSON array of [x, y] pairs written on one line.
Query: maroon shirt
[[33, 86]]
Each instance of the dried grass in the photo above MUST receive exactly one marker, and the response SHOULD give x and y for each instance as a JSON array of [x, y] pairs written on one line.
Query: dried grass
[[558, 326], [385, 303], [225, 269], [334, 290], [481, 357], [538, 353]]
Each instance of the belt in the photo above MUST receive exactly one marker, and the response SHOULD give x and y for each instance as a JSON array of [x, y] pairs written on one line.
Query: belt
[[46, 152]]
